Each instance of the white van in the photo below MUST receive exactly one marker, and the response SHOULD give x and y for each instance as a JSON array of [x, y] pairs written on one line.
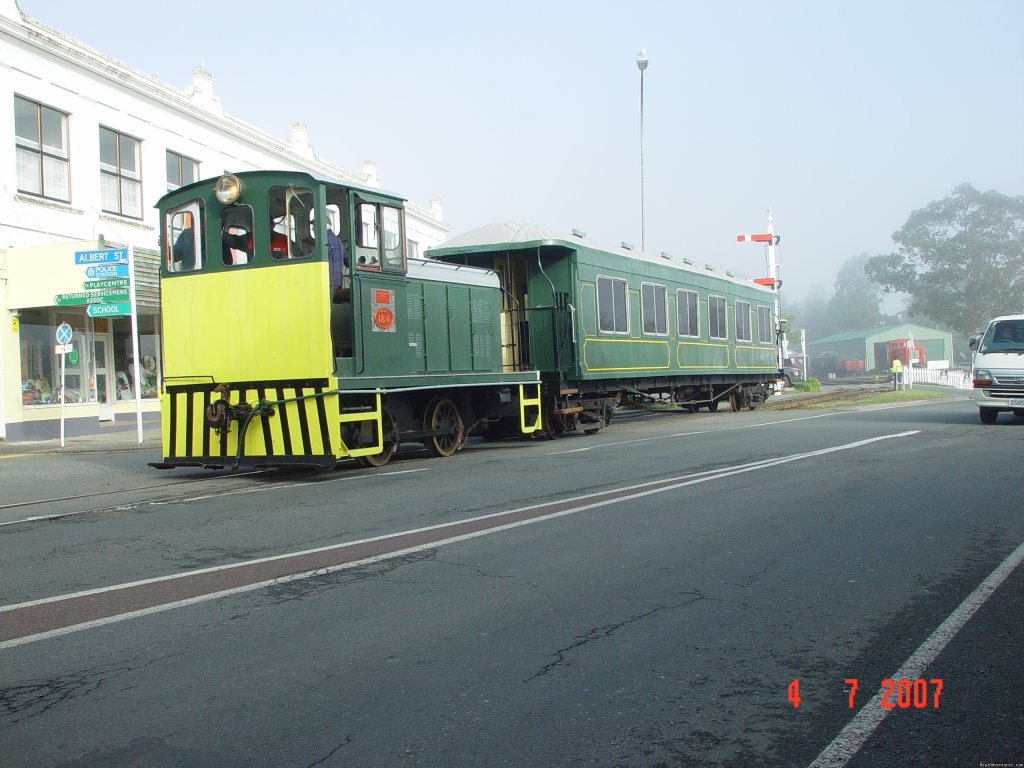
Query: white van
[[998, 368]]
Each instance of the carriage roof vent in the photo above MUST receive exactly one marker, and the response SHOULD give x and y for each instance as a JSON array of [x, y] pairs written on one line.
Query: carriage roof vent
[[666, 255], [687, 261], [627, 246], [578, 232], [709, 268], [729, 273]]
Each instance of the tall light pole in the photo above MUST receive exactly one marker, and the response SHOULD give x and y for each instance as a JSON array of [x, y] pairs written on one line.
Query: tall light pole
[[641, 64]]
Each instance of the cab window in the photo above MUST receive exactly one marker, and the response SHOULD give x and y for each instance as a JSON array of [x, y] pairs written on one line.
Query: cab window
[[184, 247], [291, 213], [379, 237], [236, 235]]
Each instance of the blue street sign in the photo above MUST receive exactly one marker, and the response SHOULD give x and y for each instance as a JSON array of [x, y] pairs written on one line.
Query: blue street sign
[[108, 256], [64, 333], [108, 270]]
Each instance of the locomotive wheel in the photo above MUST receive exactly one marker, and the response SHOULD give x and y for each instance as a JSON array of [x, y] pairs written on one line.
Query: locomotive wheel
[[387, 423], [442, 413]]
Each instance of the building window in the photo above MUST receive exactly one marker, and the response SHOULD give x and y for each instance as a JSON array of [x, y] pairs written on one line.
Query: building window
[[41, 138], [764, 325], [686, 313], [612, 305], [717, 327], [120, 174], [652, 307], [412, 248], [742, 321], [181, 170]]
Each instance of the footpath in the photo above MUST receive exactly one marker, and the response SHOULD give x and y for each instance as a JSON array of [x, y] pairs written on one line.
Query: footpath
[[109, 440]]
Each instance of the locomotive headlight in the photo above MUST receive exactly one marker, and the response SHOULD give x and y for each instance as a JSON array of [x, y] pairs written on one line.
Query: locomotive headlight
[[228, 189]]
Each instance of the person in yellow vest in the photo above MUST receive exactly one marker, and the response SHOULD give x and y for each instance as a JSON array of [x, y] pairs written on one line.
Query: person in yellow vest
[[897, 373]]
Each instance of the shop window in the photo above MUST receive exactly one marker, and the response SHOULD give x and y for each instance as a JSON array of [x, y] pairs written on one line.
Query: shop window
[[41, 139], [120, 174]]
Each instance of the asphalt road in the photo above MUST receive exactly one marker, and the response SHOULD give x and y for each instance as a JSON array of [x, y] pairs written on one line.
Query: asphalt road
[[642, 597]]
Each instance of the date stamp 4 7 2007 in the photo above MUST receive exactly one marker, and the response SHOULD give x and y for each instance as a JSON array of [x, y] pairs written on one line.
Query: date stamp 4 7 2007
[[920, 693]]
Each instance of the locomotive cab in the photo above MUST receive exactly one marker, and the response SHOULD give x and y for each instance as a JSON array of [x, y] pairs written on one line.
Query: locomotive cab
[[296, 332]]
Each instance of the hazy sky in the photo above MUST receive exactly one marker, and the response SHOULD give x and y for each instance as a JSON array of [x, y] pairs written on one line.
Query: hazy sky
[[843, 117]]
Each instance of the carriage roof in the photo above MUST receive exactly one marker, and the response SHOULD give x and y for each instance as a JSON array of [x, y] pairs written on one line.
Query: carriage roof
[[513, 235]]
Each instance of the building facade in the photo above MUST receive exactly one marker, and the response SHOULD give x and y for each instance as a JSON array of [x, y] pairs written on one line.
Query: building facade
[[867, 350], [91, 146]]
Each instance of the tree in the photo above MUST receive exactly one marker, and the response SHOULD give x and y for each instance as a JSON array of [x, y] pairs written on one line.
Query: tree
[[854, 305], [960, 259]]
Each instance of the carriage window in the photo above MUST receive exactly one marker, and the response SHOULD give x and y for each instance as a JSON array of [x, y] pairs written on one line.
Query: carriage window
[[686, 313], [764, 325], [612, 305], [717, 327], [291, 211], [236, 235], [652, 304], [742, 321], [183, 250]]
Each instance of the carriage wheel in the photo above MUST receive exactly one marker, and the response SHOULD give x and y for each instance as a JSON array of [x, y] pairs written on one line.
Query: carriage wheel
[[442, 413], [713, 406], [389, 431]]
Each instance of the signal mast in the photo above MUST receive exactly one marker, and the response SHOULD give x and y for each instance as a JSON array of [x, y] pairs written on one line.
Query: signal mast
[[770, 239]]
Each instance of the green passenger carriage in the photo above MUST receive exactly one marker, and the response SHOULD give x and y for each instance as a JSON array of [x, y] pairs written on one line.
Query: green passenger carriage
[[600, 323]]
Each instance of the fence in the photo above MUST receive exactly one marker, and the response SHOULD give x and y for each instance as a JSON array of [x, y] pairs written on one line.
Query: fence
[[945, 378]]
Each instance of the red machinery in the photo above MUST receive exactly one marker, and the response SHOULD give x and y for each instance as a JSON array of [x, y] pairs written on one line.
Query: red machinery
[[907, 351]]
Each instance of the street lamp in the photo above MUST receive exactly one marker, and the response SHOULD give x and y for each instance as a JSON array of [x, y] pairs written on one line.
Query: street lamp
[[641, 64]]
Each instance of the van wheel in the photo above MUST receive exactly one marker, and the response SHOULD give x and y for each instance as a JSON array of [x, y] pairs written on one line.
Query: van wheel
[[1019, 413], [987, 415]]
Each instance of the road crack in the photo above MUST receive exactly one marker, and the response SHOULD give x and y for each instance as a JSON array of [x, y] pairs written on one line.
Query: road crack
[[603, 632]]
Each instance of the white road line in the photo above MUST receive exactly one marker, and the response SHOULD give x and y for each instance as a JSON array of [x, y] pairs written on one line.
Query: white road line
[[189, 499], [852, 737], [695, 432], [643, 489]]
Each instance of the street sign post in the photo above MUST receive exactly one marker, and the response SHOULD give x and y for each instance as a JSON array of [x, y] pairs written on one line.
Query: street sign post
[[105, 256], [91, 297], [106, 270], [106, 284], [110, 310], [63, 336]]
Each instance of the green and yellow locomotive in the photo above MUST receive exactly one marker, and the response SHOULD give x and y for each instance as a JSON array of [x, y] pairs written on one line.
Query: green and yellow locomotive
[[296, 332], [600, 323]]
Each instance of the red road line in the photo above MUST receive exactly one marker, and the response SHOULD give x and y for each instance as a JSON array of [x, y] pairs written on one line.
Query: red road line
[[44, 618], [37, 618]]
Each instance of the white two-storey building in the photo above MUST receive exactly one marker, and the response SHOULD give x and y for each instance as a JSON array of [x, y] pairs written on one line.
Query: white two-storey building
[[89, 147]]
